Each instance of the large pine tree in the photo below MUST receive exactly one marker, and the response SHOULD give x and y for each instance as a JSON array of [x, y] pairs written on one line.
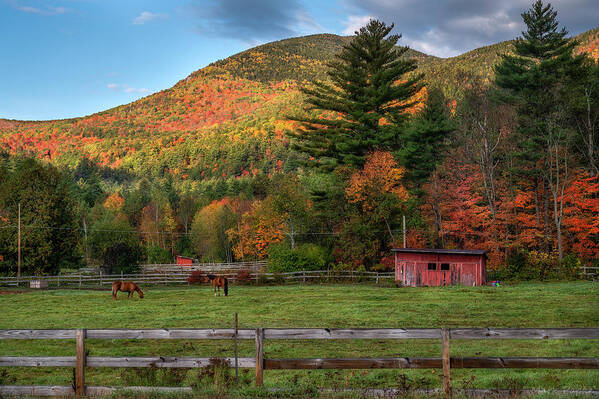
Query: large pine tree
[[535, 79], [532, 79], [364, 101]]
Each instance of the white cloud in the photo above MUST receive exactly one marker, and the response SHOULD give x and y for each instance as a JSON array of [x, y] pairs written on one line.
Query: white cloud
[[305, 24], [126, 88], [49, 10], [355, 22], [147, 16], [451, 27]]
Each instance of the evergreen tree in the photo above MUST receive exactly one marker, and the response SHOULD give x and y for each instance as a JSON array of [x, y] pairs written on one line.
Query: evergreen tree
[[535, 79], [532, 80], [424, 141], [364, 101]]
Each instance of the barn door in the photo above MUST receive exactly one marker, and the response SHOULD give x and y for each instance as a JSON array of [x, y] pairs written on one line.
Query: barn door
[[456, 274], [409, 275], [468, 277]]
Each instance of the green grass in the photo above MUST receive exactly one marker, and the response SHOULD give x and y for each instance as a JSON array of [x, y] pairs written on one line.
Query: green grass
[[572, 304]]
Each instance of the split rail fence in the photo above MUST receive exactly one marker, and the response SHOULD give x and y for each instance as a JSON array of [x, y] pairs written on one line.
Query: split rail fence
[[260, 363], [84, 280]]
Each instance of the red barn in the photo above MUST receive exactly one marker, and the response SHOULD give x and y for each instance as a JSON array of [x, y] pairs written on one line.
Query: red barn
[[435, 267], [185, 261]]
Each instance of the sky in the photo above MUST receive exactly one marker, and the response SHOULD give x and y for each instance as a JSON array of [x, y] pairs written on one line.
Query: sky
[[69, 58]]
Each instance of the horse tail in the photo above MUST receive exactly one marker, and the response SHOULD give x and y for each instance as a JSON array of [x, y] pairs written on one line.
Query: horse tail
[[226, 287]]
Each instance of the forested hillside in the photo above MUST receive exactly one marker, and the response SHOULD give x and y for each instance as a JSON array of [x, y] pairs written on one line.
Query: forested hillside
[[205, 168]]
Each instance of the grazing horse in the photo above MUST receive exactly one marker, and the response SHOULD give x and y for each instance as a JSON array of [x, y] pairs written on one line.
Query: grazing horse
[[217, 282], [126, 286]]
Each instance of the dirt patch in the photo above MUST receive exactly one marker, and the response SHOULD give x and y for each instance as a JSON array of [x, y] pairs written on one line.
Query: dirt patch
[[11, 292]]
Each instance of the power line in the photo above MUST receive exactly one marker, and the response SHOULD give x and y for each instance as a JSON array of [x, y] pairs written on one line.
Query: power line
[[332, 233]]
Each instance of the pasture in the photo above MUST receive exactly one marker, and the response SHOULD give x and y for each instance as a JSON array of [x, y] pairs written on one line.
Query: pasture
[[570, 304]]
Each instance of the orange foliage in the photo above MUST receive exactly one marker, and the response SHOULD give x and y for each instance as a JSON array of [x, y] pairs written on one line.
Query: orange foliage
[[114, 202], [581, 215], [381, 175], [258, 229]]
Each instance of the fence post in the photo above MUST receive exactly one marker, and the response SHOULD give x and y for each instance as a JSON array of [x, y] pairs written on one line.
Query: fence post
[[446, 363], [304, 276], [236, 358], [121, 274], [259, 356], [79, 279], [377, 278], [100, 277], [80, 364], [58, 279]]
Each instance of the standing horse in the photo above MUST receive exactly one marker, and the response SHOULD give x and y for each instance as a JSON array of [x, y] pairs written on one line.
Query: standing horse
[[126, 286], [217, 282]]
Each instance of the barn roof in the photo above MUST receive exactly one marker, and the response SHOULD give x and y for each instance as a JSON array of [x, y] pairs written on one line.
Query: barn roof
[[441, 251]]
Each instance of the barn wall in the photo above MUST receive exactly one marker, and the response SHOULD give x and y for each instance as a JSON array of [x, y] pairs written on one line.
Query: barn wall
[[412, 269], [184, 261]]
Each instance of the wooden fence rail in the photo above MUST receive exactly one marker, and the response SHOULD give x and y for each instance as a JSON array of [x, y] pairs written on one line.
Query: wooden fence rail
[[81, 361]]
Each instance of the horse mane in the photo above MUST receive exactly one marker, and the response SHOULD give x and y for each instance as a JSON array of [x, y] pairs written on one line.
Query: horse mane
[[211, 277]]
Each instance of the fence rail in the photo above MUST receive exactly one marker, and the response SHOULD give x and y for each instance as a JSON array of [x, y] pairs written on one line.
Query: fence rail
[[590, 271], [181, 276], [260, 363], [208, 267]]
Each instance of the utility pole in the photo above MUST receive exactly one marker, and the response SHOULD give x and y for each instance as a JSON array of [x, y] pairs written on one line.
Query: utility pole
[[19, 244], [404, 231]]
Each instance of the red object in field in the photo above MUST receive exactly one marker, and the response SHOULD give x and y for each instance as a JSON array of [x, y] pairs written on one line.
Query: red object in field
[[435, 267], [184, 261]]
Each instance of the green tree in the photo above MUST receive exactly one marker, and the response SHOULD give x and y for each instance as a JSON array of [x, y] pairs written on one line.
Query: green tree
[[289, 199], [49, 232], [583, 104], [425, 142], [535, 79], [208, 231], [364, 101], [107, 237]]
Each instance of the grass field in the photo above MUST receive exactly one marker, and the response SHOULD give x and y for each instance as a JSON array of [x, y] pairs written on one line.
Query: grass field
[[572, 304]]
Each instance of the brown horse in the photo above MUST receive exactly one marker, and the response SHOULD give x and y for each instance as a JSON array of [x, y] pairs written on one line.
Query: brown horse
[[217, 282], [126, 286]]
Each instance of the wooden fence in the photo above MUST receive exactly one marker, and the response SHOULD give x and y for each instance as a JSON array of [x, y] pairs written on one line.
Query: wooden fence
[[260, 363], [255, 267], [590, 272], [82, 280]]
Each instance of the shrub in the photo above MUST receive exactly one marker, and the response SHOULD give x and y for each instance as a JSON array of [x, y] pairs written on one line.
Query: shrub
[[533, 265], [243, 276], [282, 259], [122, 257], [156, 254], [195, 277]]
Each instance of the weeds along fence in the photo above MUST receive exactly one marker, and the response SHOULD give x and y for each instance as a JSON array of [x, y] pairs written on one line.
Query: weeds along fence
[[178, 277], [82, 360]]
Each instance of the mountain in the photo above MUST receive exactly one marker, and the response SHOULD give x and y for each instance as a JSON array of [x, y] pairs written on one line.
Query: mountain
[[226, 120], [299, 59]]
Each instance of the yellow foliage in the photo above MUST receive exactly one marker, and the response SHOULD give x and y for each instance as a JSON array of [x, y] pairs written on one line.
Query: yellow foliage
[[381, 175]]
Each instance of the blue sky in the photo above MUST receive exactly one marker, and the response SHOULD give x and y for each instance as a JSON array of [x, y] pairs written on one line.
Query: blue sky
[[67, 58]]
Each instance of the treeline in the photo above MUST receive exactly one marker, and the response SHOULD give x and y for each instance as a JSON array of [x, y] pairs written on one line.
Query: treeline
[[510, 168]]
